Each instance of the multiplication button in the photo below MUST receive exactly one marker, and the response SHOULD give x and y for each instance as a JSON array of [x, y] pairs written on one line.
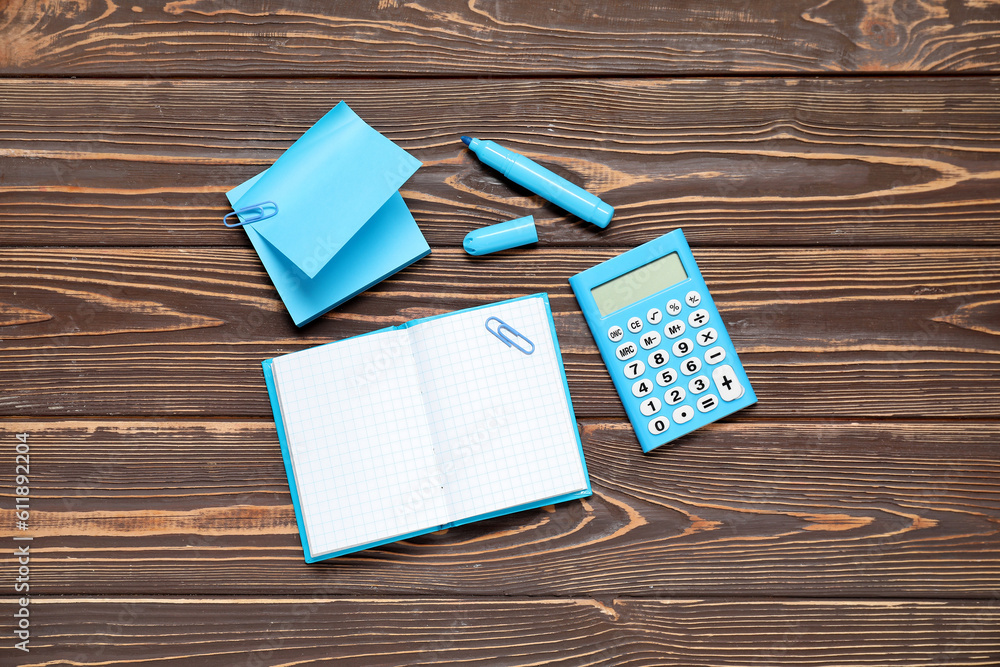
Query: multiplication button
[[616, 333], [707, 336]]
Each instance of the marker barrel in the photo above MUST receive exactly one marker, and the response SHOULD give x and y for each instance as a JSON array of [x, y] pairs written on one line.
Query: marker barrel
[[543, 182]]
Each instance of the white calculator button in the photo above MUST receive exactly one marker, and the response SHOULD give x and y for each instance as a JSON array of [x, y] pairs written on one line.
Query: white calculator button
[[674, 328], [657, 358], [666, 377], [725, 379], [674, 307], [691, 366], [698, 318], [616, 333], [642, 388], [634, 369], [658, 425], [635, 325], [650, 340], [626, 351], [650, 406], [683, 414], [692, 299], [654, 316], [699, 384], [715, 355], [707, 402], [683, 347], [674, 396], [708, 336]]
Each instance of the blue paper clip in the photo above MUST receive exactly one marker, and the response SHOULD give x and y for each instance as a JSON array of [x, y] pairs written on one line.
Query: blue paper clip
[[268, 209], [504, 327]]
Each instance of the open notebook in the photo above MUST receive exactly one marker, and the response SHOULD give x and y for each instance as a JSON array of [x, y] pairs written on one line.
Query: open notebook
[[431, 424]]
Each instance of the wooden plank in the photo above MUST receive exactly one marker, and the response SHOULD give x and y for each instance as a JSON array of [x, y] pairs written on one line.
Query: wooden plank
[[733, 161], [175, 331], [395, 38], [742, 507], [420, 631]]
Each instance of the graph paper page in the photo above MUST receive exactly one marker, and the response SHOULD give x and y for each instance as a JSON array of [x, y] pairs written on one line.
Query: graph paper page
[[500, 418], [359, 440]]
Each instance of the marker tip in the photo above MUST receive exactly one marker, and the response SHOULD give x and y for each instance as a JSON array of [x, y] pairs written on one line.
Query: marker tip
[[466, 140]]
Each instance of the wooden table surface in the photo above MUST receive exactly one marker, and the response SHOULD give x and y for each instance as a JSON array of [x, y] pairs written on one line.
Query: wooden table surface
[[834, 165]]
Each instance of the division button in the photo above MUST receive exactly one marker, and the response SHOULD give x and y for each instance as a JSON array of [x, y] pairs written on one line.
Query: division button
[[725, 379], [698, 318], [616, 333], [715, 355], [683, 414], [692, 299]]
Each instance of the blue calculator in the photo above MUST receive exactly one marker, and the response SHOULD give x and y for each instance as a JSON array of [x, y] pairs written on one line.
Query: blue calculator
[[662, 339]]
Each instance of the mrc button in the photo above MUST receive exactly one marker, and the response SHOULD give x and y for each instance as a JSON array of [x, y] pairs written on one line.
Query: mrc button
[[626, 351]]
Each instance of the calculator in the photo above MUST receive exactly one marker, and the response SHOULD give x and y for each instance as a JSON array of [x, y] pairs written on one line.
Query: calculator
[[662, 339]]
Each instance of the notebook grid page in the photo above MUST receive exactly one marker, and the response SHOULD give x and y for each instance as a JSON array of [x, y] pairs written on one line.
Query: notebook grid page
[[359, 441], [500, 418]]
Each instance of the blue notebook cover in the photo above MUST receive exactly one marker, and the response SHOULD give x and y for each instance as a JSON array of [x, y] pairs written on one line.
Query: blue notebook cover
[[500, 368]]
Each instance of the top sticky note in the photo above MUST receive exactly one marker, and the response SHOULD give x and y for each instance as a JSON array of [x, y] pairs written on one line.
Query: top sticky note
[[326, 186]]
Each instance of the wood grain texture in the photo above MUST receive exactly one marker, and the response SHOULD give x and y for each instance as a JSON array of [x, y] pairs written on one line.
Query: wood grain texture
[[821, 332], [741, 507], [523, 38], [745, 162], [421, 631]]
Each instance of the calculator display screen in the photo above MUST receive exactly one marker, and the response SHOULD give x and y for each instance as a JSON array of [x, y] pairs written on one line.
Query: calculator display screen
[[637, 284]]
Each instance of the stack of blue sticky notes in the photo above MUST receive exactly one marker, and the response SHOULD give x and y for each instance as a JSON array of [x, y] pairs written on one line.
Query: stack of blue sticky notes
[[339, 224]]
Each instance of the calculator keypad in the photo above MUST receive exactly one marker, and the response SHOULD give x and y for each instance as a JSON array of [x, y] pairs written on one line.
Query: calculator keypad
[[703, 391]]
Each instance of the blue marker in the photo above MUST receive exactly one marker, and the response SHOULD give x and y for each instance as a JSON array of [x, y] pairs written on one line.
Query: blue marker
[[542, 182]]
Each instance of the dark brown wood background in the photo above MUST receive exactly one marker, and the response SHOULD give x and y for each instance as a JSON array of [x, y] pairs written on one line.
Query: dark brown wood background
[[835, 166]]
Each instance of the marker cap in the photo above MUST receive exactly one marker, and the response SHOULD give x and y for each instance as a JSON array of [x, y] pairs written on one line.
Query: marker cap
[[501, 236]]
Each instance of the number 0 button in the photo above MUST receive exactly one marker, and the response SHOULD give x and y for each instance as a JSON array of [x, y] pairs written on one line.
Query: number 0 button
[[658, 425]]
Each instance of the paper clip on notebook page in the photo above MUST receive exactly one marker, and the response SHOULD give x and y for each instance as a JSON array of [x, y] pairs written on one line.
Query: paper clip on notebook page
[[502, 329], [266, 209]]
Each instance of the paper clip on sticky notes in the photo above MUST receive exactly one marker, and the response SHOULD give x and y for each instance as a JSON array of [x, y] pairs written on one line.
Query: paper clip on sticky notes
[[246, 215], [501, 331]]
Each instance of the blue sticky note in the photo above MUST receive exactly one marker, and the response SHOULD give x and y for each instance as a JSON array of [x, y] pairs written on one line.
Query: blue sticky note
[[326, 186], [342, 225]]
